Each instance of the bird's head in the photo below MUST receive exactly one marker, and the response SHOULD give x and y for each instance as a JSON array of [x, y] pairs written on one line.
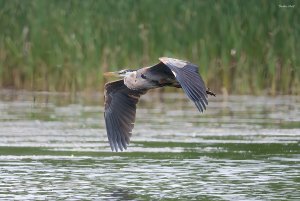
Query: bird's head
[[121, 73]]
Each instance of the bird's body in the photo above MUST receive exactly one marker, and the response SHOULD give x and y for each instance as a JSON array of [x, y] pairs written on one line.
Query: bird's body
[[122, 96], [137, 81]]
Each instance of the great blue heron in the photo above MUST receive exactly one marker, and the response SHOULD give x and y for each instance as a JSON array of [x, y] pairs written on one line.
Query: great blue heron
[[121, 96]]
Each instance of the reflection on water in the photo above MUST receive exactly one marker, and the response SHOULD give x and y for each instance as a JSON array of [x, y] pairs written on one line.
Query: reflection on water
[[54, 146]]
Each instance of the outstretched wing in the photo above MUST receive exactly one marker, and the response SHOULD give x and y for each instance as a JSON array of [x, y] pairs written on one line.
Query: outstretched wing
[[190, 80], [120, 108]]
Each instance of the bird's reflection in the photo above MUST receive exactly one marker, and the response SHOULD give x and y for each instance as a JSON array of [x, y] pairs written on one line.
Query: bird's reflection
[[123, 194]]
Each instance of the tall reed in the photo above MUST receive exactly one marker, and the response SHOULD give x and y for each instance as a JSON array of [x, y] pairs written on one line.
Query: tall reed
[[246, 47]]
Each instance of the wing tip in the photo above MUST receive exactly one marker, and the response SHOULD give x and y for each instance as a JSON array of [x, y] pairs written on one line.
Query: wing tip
[[164, 59], [116, 147]]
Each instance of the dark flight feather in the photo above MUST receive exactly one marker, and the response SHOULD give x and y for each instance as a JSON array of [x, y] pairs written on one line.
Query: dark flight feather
[[120, 110], [191, 82]]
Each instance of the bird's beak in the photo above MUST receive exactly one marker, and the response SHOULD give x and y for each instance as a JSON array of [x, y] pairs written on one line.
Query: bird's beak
[[115, 74]]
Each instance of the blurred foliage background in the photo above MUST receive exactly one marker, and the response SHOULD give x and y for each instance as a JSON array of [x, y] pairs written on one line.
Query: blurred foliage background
[[243, 47]]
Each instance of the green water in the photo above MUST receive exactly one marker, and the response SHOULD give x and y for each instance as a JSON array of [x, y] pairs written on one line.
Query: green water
[[54, 147]]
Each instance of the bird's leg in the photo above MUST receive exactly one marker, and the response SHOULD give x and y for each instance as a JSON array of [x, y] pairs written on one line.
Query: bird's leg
[[210, 92]]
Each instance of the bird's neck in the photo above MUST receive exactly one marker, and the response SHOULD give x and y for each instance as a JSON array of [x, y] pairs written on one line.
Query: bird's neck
[[131, 74]]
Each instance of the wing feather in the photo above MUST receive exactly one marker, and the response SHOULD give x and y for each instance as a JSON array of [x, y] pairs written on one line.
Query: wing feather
[[190, 80], [120, 110]]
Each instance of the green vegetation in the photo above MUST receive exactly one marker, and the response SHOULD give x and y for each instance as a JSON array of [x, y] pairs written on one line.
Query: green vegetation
[[241, 46]]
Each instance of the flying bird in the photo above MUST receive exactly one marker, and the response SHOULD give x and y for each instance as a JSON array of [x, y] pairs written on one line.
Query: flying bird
[[121, 96]]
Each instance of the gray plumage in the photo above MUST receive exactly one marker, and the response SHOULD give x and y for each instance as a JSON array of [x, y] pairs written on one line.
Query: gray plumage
[[122, 96]]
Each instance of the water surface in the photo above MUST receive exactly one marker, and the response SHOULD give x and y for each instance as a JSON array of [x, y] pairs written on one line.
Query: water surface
[[53, 146]]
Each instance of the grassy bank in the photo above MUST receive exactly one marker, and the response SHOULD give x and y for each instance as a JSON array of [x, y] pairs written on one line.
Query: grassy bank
[[242, 46]]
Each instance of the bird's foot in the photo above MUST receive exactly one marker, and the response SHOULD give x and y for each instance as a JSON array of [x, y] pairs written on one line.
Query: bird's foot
[[210, 92]]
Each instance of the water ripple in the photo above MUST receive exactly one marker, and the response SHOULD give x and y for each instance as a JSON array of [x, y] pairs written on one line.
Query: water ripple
[[241, 148]]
